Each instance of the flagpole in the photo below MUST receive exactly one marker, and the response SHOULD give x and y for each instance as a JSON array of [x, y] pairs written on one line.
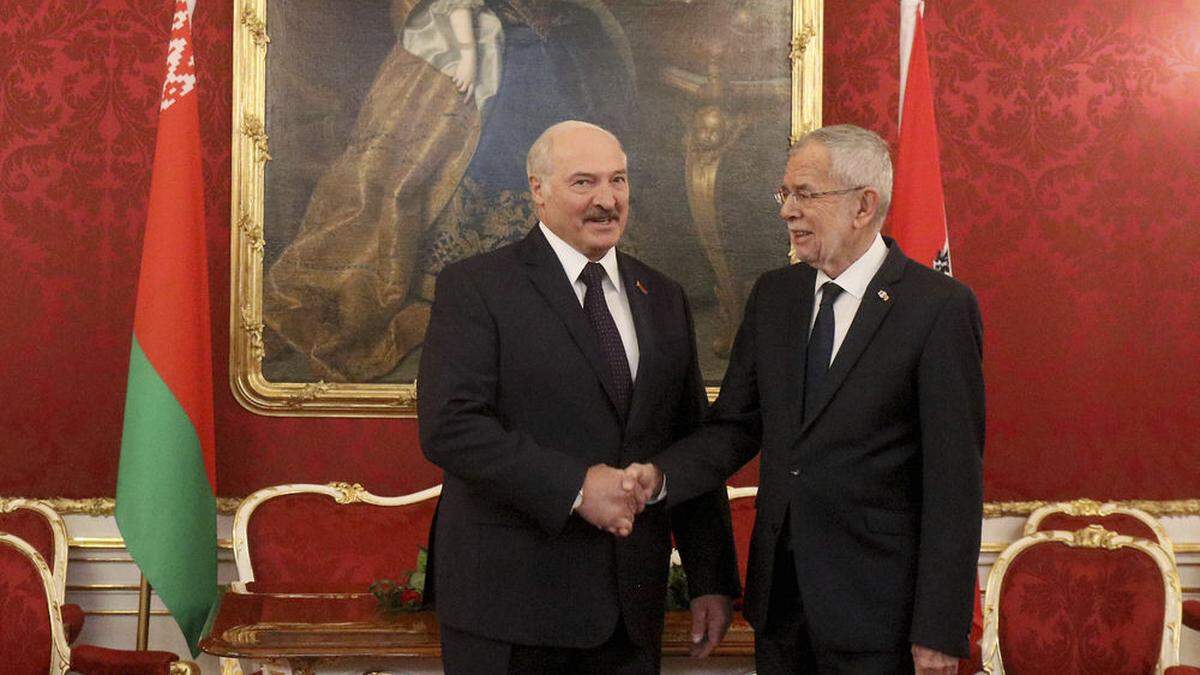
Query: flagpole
[[143, 614]]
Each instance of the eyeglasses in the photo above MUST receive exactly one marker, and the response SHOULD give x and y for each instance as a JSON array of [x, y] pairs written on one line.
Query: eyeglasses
[[783, 194]]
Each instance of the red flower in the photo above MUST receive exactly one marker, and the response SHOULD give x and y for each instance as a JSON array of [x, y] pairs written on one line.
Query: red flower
[[410, 597]]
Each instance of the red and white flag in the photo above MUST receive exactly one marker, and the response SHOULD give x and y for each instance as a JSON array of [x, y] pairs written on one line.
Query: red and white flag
[[918, 213]]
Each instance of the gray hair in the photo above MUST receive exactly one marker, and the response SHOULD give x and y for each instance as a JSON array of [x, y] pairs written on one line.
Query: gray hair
[[539, 162], [856, 157]]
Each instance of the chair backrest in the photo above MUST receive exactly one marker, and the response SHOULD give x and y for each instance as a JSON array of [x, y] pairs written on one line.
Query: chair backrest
[[742, 501], [1071, 516], [32, 639], [1088, 601], [337, 533], [44, 529]]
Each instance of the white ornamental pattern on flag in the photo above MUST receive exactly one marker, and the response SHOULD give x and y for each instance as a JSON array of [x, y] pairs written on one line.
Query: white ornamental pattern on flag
[[181, 62]]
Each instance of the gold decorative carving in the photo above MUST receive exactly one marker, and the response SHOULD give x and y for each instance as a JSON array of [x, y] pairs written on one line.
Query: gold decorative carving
[[1095, 536], [253, 231], [254, 129], [348, 492], [184, 668], [253, 328], [256, 27], [308, 392], [103, 506], [1176, 507], [800, 43]]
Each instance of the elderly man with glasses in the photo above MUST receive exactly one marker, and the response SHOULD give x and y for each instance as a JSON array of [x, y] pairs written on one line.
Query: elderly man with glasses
[[859, 377]]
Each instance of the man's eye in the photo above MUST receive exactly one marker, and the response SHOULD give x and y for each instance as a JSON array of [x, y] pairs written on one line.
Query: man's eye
[[619, 179], [581, 182]]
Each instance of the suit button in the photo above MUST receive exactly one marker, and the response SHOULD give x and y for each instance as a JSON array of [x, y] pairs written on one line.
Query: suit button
[[795, 472]]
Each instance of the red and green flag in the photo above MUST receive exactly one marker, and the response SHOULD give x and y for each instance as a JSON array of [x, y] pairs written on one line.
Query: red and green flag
[[166, 505]]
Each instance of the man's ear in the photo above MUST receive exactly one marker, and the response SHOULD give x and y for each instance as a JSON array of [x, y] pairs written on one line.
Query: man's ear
[[868, 206], [537, 190]]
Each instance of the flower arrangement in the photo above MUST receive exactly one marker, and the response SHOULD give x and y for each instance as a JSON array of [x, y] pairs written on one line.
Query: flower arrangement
[[406, 595]]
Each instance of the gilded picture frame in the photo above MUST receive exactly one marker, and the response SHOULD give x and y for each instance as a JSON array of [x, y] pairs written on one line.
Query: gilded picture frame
[[721, 91]]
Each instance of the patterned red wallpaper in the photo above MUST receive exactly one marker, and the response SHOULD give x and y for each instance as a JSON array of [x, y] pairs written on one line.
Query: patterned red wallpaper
[[1069, 142]]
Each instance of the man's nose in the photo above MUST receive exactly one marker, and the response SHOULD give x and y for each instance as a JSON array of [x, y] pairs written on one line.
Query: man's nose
[[605, 196]]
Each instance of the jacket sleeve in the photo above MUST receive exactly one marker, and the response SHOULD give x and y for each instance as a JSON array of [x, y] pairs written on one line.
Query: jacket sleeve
[[460, 427], [951, 409], [702, 527], [732, 430]]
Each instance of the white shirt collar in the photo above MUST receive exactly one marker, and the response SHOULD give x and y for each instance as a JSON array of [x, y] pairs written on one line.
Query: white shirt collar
[[858, 275], [573, 261]]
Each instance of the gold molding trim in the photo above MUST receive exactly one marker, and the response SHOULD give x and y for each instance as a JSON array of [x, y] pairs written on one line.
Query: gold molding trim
[[123, 612], [1175, 507], [251, 45]]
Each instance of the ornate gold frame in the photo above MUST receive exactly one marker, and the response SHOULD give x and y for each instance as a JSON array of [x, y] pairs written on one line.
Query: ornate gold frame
[[1093, 536], [250, 153], [342, 493]]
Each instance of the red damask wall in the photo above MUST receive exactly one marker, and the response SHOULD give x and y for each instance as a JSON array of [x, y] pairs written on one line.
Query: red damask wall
[[1070, 142]]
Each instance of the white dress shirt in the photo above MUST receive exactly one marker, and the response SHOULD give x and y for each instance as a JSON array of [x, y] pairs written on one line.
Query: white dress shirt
[[854, 282], [614, 291]]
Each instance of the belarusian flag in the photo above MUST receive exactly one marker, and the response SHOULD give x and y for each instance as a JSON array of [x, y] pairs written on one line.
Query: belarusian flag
[[918, 213], [166, 507]]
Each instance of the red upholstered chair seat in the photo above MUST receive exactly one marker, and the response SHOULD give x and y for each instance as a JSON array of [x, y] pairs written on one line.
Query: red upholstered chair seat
[[742, 503], [301, 534], [26, 639], [1062, 603]]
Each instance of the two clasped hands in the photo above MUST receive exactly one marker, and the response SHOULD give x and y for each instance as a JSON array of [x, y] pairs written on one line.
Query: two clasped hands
[[613, 497]]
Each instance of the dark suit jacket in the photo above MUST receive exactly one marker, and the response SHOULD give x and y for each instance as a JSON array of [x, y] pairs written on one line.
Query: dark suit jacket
[[883, 480], [514, 405]]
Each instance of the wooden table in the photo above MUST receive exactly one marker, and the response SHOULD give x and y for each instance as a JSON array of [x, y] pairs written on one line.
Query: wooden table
[[310, 627]]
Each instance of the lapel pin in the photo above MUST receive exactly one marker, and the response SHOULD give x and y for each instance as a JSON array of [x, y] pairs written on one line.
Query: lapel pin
[[883, 295], [640, 287]]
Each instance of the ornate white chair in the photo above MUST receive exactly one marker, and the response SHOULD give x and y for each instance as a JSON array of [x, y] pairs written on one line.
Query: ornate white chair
[[1087, 601], [44, 529]]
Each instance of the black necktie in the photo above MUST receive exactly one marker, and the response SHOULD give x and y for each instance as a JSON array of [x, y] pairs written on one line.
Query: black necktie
[[820, 347], [611, 346]]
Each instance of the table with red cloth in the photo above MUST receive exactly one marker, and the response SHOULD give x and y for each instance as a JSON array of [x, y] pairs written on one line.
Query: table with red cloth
[[310, 625]]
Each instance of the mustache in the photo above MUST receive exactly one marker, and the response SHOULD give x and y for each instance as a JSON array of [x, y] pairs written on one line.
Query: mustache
[[600, 214]]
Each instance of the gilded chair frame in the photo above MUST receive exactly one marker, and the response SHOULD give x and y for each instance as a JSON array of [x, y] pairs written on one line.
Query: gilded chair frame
[[1090, 507], [1092, 536], [58, 527], [60, 653], [342, 493]]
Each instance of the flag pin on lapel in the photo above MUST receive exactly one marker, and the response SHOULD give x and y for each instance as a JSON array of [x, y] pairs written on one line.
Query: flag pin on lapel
[[640, 287], [883, 295]]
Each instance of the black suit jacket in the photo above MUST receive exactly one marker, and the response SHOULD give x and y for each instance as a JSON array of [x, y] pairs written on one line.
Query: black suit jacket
[[883, 480], [514, 405]]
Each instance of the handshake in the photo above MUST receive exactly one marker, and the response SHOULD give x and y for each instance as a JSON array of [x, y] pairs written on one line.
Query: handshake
[[613, 497]]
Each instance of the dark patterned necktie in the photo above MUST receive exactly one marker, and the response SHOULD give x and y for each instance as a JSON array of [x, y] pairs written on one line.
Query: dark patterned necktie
[[611, 347], [820, 347]]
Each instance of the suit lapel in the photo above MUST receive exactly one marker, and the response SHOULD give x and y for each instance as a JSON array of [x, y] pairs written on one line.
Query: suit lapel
[[547, 275], [875, 305], [641, 306]]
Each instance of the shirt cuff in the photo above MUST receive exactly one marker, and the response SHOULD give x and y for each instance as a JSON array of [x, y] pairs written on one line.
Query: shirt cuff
[[662, 493], [578, 502]]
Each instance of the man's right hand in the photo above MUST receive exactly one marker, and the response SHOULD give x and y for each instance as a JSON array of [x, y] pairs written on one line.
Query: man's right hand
[[606, 503]]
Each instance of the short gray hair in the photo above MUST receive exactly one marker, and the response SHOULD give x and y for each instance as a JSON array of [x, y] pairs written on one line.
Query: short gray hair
[[857, 156], [539, 161]]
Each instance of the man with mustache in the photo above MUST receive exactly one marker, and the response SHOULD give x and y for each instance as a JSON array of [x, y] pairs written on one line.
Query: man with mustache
[[548, 364], [859, 378]]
